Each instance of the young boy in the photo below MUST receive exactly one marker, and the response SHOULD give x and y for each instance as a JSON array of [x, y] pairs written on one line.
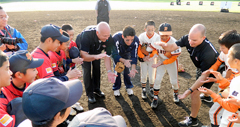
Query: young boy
[[147, 39], [226, 40], [23, 71], [234, 62], [71, 62], [125, 51], [51, 36], [168, 61], [46, 102]]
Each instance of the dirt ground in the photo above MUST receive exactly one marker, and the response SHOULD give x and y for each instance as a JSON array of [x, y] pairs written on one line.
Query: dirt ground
[[136, 111]]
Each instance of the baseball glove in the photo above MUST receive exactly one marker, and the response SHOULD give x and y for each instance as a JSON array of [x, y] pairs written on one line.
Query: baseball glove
[[143, 49], [119, 67]]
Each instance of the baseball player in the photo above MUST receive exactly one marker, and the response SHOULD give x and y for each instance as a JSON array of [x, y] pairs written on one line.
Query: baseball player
[[226, 40], [146, 40], [23, 70], [51, 36], [234, 62], [167, 61], [125, 51]]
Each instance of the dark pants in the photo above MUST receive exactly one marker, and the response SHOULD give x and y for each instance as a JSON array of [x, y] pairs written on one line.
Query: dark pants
[[99, 19], [127, 80], [91, 76]]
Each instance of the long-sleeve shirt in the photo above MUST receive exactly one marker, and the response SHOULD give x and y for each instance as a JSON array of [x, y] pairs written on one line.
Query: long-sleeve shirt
[[121, 50]]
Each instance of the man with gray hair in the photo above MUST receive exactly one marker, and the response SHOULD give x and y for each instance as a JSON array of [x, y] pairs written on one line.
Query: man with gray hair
[[203, 55], [91, 42]]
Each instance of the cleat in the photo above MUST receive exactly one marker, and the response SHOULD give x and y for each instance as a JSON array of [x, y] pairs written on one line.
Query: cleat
[[205, 98], [116, 93], [152, 92], [188, 122], [175, 97], [129, 91], [154, 103], [144, 93]]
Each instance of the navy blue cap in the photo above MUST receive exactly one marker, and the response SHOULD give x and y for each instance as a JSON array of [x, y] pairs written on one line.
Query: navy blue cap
[[54, 32], [165, 29], [44, 98], [74, 53], [23, 60]]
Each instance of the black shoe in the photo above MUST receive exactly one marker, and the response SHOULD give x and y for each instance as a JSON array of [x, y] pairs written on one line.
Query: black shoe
[[144, 93], [91, 99], [152, 92], [99, 93], [188, 122], [205, 98], [154, 103]]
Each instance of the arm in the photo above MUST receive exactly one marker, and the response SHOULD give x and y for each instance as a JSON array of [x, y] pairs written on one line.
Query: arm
[[24, 45], [216, 65], [167, 47], [88, 58]]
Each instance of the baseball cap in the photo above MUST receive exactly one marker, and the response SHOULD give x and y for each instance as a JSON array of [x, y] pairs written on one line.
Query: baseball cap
[[98, 117], [23, 60], [53, 31], [74, 52], [165, 29], [44, 98]]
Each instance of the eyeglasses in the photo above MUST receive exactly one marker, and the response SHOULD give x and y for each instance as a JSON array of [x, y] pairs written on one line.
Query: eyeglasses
[[4, 17]]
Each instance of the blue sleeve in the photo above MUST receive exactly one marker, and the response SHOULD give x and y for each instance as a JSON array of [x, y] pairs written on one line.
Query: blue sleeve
[[60, 77], [115, 49], [134, 51], [68, 61], [24, 45]]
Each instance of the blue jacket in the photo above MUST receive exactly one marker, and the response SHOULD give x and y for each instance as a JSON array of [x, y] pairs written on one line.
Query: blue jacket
[[15, 34], [121, 50]]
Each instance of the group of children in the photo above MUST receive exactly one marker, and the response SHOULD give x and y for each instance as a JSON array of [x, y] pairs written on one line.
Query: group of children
[[53, 58]]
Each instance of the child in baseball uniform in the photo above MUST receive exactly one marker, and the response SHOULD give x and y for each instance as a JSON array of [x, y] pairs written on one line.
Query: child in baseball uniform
[[167, 61], [234, 62], [226, 40], [146, 40]]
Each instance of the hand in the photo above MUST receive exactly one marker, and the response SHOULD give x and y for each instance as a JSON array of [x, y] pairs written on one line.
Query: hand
[[127, 63], [132, 73], [75, 73], [205, 90], [3, 47], [146, 58], [217, 75], [235, 118], [160, 43], [112, 77], [77, 60], [10, 46], [184, 95], [232, 100], [157, 65], [151, 59], [100, 56]]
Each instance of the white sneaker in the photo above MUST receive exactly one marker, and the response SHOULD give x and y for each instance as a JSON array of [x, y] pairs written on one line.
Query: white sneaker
[[116, 93], [130, 91]]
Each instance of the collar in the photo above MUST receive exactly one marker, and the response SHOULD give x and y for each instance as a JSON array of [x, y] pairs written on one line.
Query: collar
[[43, 52], [149, 37], [20, 89], [199, 47]]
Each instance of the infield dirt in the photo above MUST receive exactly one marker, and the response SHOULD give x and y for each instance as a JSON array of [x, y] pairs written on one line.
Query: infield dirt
[[136, 111]]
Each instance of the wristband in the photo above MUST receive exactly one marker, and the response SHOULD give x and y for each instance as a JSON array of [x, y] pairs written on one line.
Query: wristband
[[190, 90], [109, 71]]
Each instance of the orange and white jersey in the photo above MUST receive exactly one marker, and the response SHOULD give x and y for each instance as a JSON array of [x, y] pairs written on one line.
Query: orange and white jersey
[[167, 55], [145, 39]]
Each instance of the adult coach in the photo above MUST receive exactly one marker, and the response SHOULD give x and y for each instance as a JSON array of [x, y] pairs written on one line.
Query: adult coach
[[203, 55], [8, 31], [102, 10], [92, 41]]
